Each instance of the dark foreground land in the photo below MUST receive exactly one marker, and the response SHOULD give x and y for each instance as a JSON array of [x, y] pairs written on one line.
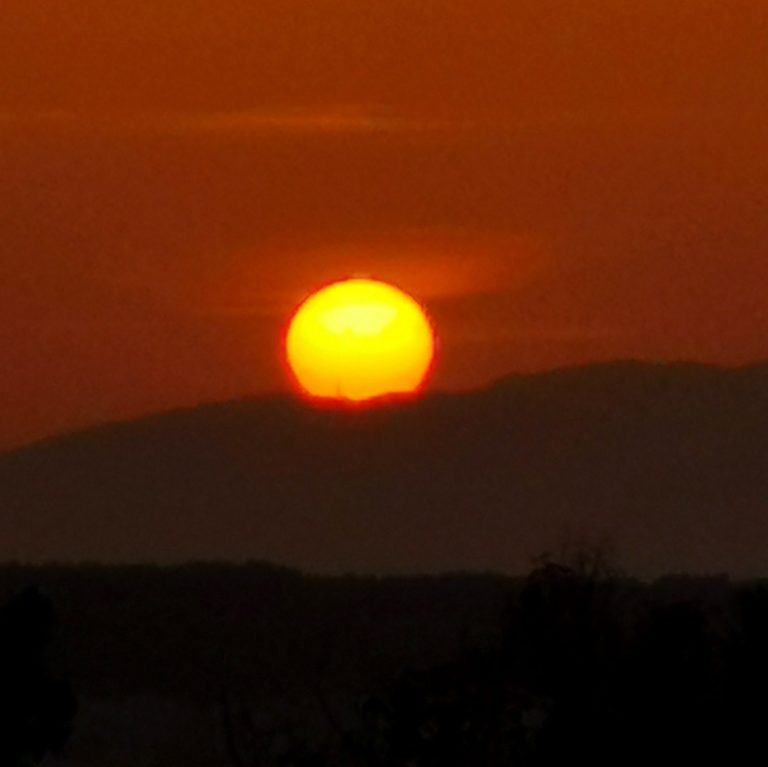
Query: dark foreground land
[[256, 665]]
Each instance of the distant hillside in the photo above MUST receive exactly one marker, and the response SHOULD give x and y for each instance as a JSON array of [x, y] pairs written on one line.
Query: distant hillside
[[671, 461]]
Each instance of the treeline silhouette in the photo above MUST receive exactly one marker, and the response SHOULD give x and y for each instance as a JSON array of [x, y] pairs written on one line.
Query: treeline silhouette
[[37, 705], [576, 662], [590, 668]]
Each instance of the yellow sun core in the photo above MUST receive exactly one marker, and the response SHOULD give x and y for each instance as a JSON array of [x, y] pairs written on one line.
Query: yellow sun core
[[359, 339]]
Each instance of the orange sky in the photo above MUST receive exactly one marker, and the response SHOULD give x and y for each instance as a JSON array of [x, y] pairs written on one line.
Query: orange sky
[[559, 181]]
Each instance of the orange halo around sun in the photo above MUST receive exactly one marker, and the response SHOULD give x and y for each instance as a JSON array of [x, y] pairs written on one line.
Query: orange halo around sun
[[358, 339]]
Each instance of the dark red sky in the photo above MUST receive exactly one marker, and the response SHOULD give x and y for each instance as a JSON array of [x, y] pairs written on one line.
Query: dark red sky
[[559, 182]]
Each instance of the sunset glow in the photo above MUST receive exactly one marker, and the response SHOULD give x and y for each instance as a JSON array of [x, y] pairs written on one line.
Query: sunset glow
[[358, 339]]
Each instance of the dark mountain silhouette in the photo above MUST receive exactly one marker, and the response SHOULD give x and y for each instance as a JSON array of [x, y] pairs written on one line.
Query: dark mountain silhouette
[[668, 460]]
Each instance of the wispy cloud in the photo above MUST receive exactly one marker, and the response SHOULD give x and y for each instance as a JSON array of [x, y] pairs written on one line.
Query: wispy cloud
[[246, 122], [332, 120], [437, 265]]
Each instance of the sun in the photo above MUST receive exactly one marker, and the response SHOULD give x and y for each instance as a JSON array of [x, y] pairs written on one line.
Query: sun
[[358, 339]]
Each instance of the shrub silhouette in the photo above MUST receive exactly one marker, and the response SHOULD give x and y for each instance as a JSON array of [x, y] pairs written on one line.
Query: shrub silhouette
[[591, 669], [36, 707], [271, 742], [453, 714], [511, 704]]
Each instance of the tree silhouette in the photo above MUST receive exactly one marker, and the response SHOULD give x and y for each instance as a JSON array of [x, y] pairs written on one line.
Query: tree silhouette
[[585, 673], [588, 666], [36, 706], [254, 741]]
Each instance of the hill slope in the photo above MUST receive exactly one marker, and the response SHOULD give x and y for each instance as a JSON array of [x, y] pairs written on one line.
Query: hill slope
[[671, 461]]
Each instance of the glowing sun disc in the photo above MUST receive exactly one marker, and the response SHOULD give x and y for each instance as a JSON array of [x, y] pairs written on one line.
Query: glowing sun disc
[[358, 339]]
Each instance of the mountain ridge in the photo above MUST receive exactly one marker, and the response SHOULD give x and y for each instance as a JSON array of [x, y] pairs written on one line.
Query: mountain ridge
[[669, 461]]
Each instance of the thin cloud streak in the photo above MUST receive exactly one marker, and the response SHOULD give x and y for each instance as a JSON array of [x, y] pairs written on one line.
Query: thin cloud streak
[[342, 120], [327, 121]]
